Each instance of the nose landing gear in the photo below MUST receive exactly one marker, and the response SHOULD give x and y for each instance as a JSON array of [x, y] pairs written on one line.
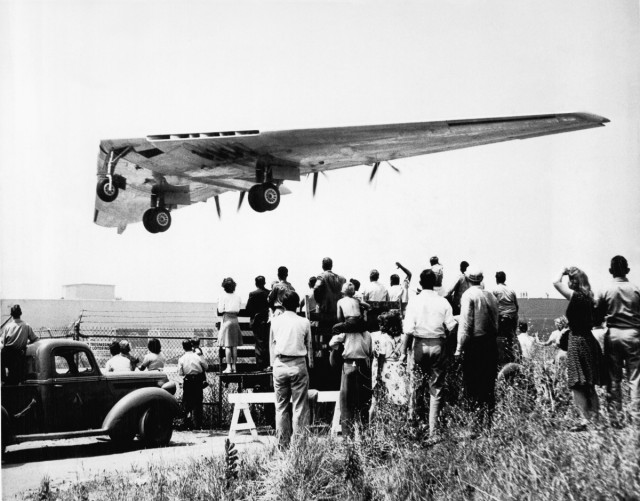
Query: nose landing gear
[[107, 191]]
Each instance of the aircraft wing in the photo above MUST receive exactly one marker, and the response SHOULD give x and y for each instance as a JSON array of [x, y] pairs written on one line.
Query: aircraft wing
[[163, 172]]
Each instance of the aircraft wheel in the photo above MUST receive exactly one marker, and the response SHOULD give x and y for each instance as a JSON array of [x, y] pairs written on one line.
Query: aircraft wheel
[[270, 196], [255, 195], [156, 220], [105, 192]]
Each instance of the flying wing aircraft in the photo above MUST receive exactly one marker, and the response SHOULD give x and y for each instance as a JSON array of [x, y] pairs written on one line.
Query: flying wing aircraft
[[145, 179]]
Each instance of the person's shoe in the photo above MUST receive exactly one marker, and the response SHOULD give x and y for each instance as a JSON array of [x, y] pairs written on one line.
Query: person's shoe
[[227, 370]]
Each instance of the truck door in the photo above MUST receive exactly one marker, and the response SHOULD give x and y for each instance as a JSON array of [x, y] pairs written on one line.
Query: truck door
[[80, 397]]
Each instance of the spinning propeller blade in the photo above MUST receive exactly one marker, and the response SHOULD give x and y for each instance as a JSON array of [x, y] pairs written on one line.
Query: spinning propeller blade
[[241, 199], [217, 199], [374, 171]]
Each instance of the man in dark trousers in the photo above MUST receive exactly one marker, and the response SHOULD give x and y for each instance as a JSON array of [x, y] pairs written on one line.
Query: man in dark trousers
[[619, 304], [258, 311], [191, 366], [508, 346], [478, 345], [327, 292], [15, 336]]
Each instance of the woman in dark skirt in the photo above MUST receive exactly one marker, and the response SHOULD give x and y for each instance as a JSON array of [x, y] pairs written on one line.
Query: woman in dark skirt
[[230, 335], [584, 355]]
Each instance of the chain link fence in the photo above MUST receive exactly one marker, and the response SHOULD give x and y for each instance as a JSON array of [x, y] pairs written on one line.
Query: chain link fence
[[216, 409], [100, 328]]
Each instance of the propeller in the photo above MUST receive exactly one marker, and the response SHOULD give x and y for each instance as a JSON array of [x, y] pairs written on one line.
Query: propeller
[[241, 199], [374, 171], [217, 199], [315, 180]]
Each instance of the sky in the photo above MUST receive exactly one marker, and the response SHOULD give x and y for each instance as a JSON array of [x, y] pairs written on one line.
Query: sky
[[75, 72]]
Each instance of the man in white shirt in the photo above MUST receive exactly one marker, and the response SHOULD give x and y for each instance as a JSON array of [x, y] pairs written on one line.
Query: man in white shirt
[[374, 291], [192, 366], [290, 341], [428, 320]]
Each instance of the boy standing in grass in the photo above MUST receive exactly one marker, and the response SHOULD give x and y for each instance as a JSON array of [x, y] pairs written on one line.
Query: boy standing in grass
[[192, 366]]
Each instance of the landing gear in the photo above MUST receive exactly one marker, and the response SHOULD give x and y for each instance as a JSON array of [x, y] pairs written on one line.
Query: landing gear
[[264, 197], [156, 220], [107, 191], [107, 188]]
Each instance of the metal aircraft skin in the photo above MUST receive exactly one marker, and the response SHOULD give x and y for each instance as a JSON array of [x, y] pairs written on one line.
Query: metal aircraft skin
[[145, 179]]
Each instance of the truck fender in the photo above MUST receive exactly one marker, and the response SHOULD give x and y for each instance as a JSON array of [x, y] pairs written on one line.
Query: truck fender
[[125, 415]]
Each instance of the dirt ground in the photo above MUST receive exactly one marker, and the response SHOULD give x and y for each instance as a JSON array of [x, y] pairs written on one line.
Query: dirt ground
[[66, 461]]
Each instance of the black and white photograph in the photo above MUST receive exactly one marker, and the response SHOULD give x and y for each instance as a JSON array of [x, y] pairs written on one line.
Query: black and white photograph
[[320, 250]]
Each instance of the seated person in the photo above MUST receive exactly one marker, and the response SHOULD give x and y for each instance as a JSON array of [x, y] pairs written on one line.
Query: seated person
[[350, 318], [117, 362]]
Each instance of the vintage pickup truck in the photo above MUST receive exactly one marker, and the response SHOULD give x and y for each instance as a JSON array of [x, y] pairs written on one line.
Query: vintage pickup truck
[[64, 395]]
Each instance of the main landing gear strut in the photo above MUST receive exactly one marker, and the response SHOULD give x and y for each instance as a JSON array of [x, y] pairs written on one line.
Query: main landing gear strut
[[157, 219]]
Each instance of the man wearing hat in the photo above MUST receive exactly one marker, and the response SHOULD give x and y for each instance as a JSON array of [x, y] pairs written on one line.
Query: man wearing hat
[[477, 343], [13, 343]]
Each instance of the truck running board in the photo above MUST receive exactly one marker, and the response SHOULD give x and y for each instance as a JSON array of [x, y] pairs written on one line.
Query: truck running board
[[58, 435]]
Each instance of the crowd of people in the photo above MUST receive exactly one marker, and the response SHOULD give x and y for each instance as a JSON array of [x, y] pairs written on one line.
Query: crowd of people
[[355, 340], [348, 343]]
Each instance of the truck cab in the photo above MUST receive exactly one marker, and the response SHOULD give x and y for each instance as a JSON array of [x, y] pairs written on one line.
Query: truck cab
[[64, 394]]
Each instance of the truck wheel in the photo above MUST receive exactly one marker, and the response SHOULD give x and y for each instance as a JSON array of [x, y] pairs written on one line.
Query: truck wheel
[[122, 438], [156, 427]]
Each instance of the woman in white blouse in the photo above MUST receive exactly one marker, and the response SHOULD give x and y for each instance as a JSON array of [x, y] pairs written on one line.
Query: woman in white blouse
[[230, 335]]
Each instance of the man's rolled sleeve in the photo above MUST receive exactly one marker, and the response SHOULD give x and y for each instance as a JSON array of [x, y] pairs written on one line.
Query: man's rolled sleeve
[[466, 321], [409, 323], [449, 321], [337, 339], [272, 349]]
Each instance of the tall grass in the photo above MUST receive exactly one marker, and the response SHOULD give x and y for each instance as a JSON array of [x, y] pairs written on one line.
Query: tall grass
[[528, 454]]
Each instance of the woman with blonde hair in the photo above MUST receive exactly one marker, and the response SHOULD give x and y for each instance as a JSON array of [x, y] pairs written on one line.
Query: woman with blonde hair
[[230, 335], [583, 353]]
